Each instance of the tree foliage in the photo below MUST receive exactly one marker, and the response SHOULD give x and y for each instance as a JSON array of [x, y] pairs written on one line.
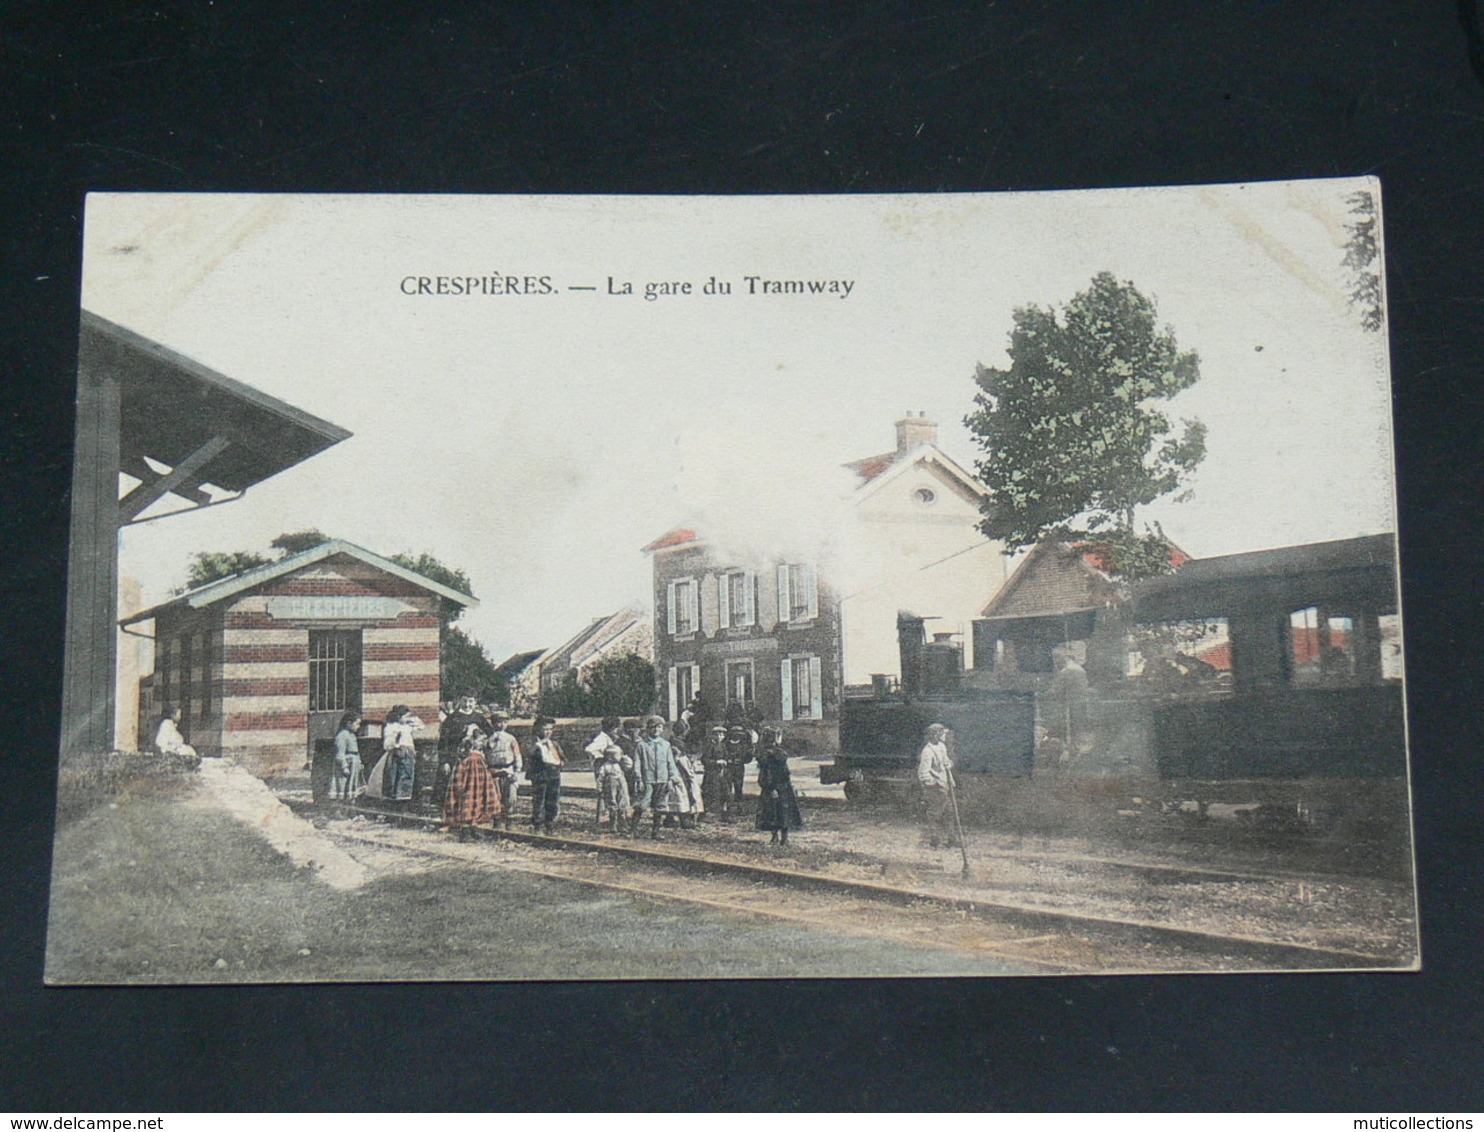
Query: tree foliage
[[429, 567], [1072, 437], [209, 566], [1363, 259], [621, 685], [615, 685], [465, 667], [297, 542]]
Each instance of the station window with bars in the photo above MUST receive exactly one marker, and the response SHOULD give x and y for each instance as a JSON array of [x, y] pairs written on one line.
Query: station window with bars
[[334, 669]]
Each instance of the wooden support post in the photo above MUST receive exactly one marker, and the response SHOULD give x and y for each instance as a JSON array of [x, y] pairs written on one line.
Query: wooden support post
[[92, 564]]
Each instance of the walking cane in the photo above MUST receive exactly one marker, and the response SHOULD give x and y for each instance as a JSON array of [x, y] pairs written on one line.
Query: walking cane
[[958, 822]]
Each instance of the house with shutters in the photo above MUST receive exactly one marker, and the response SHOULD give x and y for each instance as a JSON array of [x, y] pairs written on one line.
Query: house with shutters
[[263, 663], [765, 637], [785, 637]]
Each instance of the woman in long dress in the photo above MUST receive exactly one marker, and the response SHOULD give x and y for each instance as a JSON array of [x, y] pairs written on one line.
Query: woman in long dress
[[778, 806]]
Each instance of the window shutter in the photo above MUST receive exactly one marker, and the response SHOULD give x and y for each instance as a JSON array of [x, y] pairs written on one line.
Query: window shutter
[[674, 711], [749, 599], [811, 591], [786, 672], [670, 619], [783, 595], [693, 594], [816, 707], [724, 599], [695, 679]]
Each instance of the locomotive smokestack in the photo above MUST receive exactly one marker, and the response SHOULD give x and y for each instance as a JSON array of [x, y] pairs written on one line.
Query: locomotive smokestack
[[911, 638]]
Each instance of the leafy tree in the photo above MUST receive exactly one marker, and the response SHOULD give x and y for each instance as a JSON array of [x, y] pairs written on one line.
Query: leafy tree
[[1072, 439], [621, 685], [567, 698], [209, 566], [465, 666], [616, 685], [1363, 259], [296, 542]]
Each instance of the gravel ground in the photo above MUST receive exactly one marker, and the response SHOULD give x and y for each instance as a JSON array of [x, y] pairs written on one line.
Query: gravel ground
[[170, 887], [1271, 891], [212, 878]]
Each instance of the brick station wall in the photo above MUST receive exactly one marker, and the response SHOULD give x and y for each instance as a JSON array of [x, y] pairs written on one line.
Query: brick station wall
[[265, 662]]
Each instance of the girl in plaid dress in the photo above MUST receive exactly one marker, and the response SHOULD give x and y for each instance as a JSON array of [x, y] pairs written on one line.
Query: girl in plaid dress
[[472, 798]]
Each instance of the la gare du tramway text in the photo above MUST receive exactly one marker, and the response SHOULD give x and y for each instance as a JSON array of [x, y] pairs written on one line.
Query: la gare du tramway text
[[497, 284]]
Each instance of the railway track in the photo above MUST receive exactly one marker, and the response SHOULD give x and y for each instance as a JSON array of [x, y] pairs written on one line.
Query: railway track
[[1027, 938], [1164, 872]]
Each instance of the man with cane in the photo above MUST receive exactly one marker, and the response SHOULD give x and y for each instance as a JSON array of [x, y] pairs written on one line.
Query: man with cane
[[935, 774]]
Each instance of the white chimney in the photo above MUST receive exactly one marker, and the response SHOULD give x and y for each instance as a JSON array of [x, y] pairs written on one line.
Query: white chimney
[[915, 430]]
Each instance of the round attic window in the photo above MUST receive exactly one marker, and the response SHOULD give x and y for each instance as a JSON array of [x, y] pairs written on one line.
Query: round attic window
[[926, 496]]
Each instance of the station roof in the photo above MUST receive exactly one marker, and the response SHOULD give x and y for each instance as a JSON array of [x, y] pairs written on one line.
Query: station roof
[[173, 408], [223, 588]]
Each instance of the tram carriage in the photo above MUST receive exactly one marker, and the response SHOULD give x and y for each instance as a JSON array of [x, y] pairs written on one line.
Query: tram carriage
[[1300, 717], [1313, 717]]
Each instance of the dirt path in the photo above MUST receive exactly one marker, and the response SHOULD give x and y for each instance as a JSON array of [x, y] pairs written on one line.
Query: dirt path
[[249, 800]]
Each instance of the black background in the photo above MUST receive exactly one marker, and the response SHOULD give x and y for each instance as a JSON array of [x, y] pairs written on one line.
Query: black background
[[743, 98]]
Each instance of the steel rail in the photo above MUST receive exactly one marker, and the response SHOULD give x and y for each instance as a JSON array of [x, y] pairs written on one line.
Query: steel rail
[[1005, 949], [1277, 954]]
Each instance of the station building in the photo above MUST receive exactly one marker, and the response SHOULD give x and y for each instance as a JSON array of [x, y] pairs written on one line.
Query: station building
[[264, 663]]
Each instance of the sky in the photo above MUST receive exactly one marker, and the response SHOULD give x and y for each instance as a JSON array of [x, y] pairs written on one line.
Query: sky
[[539, 441]]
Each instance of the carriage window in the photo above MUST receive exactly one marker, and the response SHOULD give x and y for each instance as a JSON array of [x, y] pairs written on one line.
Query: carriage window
[[1181, 654], [1390, 627], [1321, 648]]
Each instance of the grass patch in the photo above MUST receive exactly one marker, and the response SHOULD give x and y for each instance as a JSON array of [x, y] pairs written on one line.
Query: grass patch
[[84, 781]]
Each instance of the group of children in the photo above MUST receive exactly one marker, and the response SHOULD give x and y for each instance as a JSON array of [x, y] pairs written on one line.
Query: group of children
[[694, 774], [678, 780]]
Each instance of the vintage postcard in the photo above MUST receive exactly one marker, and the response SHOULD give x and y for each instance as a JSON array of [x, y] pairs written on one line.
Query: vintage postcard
[[500, 588]]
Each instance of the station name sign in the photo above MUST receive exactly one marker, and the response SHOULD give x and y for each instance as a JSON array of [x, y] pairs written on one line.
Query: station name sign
[[334, 607]]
